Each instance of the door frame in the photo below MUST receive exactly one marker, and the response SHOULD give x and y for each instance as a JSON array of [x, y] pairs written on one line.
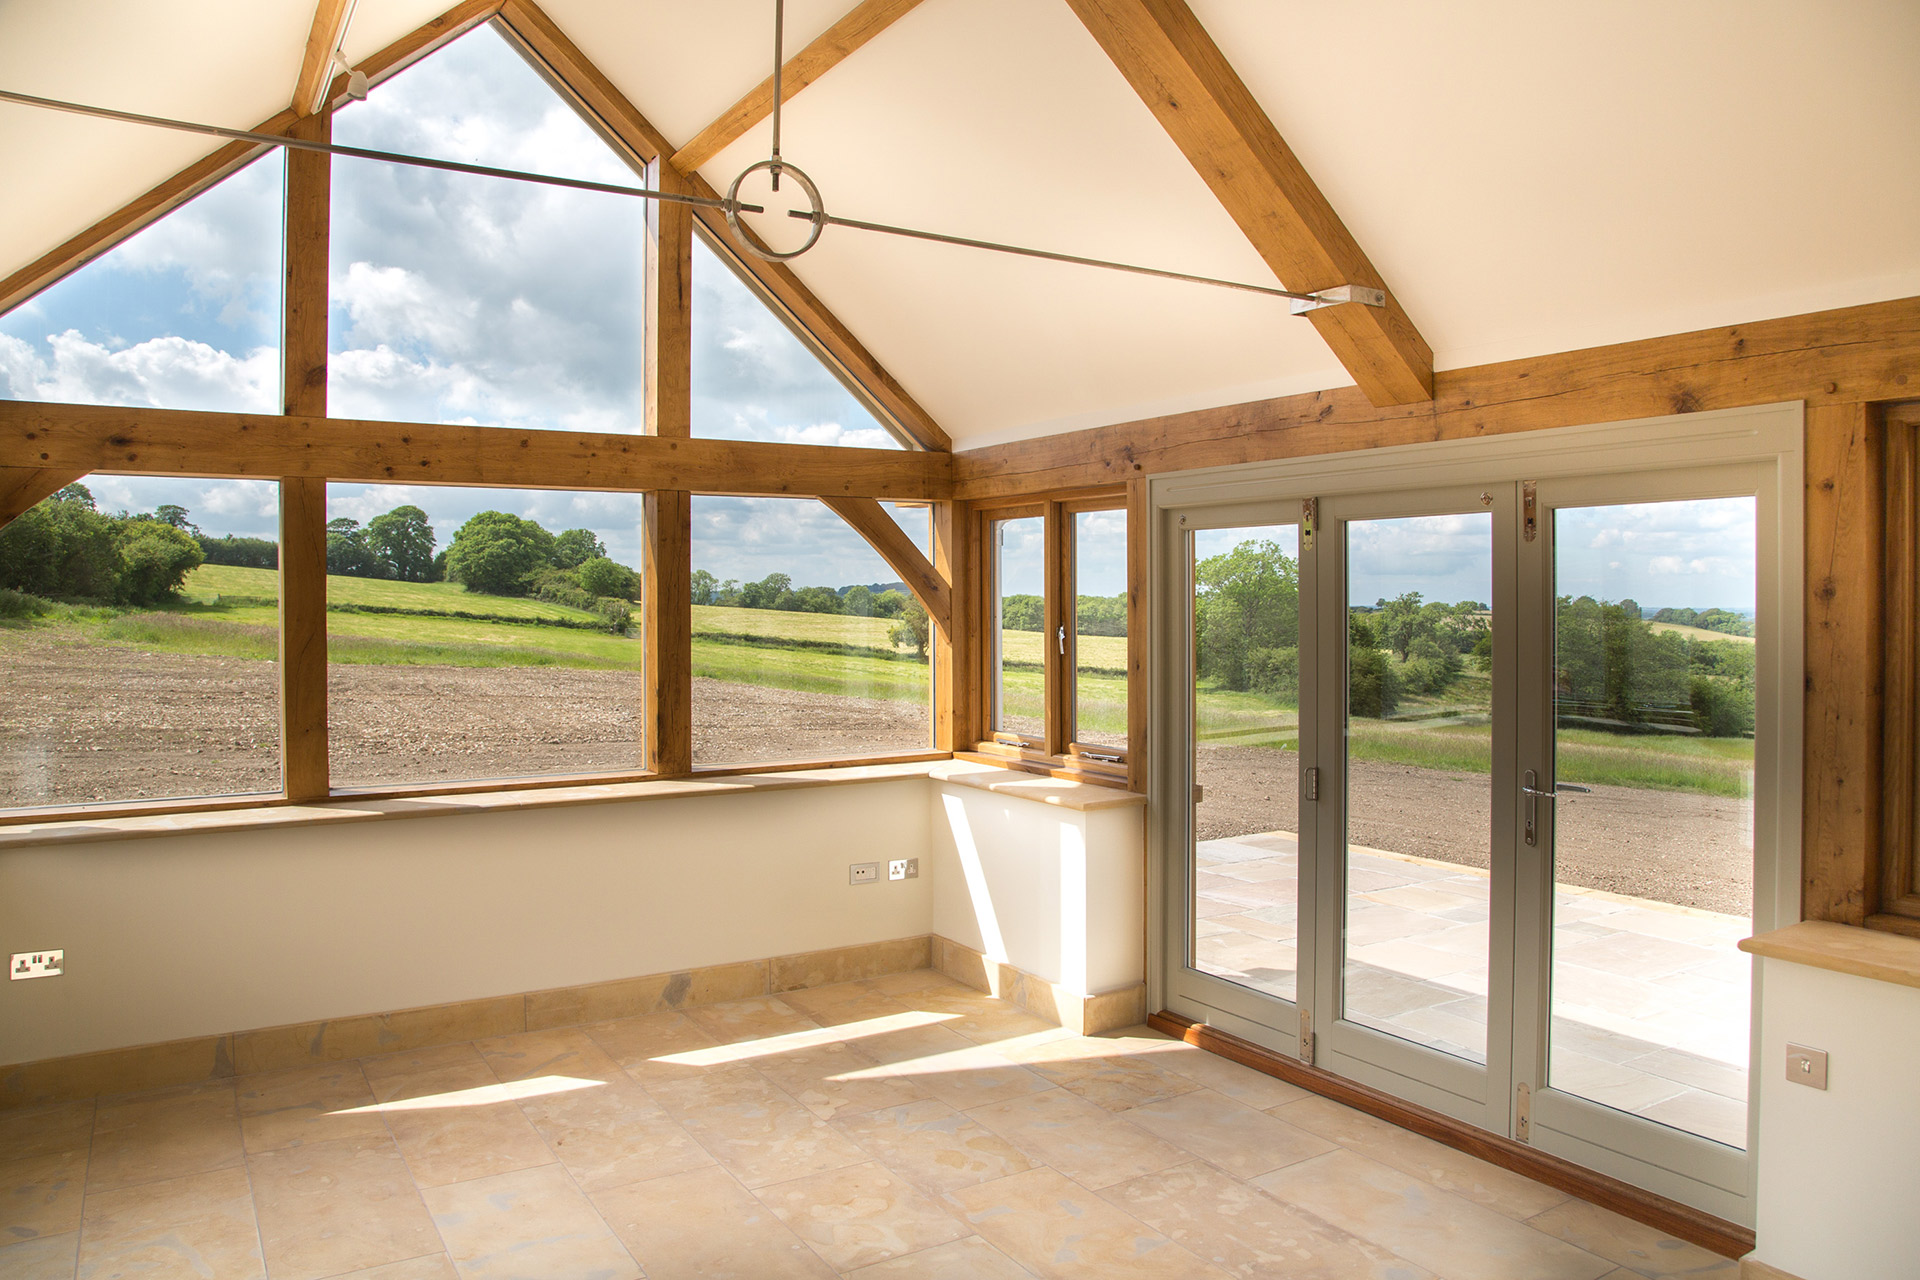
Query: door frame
[[1770, 436]]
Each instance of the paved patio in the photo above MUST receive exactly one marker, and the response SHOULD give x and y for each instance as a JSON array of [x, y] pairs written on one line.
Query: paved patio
[[1650, 1001]]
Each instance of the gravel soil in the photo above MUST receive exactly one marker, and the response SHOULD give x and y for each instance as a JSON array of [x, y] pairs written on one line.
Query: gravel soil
[[81, 723]]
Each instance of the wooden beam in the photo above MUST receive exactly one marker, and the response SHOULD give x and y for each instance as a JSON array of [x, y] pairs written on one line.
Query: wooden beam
[[305, 767], [1188, 84], [860, 24], [884, 535], [953, 669], [23, 488], [417, 44], [182, 442], [316, 64], [666, 580], [1845, 603], [1851, 355]]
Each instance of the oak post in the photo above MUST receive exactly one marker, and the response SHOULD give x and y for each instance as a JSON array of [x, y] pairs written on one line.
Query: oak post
[[952, 665], [666, 592], [303, 500]]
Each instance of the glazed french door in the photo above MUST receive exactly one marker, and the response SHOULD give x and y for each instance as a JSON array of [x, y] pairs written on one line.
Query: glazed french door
[[1463, 800]]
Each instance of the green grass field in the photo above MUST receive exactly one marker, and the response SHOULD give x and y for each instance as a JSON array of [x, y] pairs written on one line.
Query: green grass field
[[1699, 633]]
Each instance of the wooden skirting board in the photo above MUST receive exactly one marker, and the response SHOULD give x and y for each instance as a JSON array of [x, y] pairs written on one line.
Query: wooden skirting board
[[1676, 1219]]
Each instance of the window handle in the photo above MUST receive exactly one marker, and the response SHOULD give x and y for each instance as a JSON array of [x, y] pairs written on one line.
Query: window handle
[[1063, 640]]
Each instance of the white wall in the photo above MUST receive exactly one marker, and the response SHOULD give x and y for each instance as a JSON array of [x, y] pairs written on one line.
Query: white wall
[[1839, 1169], [177, 936], [204, 933], [1055, 891]]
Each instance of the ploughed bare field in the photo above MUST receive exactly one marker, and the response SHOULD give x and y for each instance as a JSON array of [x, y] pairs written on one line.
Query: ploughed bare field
[[83, 723]]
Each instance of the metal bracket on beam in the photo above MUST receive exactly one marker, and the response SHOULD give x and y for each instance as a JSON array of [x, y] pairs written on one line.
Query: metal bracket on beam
[[1338, 294]]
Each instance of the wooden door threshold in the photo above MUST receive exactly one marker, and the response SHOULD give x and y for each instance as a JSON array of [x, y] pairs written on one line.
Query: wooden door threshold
[[1678, 1220]]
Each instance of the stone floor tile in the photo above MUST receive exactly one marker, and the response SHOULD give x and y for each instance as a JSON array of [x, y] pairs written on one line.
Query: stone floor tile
[[946, 1065], [1707, 1114], [980, 1017], [755, 1130], [1243, 1141], [421, 1072], [860, 1215], [1248, 1233], [914, 981], [435, 1266], [40, 1195], [42, 1258], [531, 1224], [341, 1205], [199, 1226], [705, 1226], [1104, 1072], [1256, 1089], [306, 1104], [41, 1131], [933, 1146], [167, 1134], [566, 1051], [453, 1120], [613, 1134], [844, 1003], [1445, 1233], [760, 1018], [835, 1079], [1466, 1176], [968, 1259], [1087, 1143], [1058, 1229], [1642, 1250], [644, 1046]]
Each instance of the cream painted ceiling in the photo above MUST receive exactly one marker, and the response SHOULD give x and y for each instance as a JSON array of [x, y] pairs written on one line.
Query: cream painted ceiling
[[1529, 178]]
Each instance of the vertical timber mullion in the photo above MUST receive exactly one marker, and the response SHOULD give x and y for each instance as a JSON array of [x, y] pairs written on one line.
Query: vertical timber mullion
[[303, 500], [953, 645], [1057, 680], [667, 569], [1137, 693]]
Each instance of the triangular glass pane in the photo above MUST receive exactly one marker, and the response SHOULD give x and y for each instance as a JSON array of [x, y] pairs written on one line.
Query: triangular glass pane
[[459, 298], [754, 379], [183, 315]]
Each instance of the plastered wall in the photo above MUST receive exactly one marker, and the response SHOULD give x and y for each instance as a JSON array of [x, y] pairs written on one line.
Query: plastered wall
[[1839, 1169]]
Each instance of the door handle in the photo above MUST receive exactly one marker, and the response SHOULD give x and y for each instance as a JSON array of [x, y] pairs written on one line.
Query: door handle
[[1535, 795]]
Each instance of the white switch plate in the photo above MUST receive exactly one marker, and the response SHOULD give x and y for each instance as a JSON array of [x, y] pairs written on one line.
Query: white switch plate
[[37, 964], [863, 873]]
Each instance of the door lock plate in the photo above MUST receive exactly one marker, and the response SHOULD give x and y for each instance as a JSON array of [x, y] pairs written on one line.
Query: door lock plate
[[1523, 1112]]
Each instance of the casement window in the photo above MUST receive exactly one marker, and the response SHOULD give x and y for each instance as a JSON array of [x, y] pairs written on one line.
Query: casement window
[[1898, 892], [1053, 640]]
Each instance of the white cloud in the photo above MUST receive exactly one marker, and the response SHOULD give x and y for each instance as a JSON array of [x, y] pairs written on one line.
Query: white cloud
[[167, 372]]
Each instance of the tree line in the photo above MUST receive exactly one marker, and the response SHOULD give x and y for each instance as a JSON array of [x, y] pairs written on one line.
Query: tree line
[[1093, 615], [776, 591], [1612, 669], [66, 548]]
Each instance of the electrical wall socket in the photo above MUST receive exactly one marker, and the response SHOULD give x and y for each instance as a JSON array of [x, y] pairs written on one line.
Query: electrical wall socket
[[863, 873], [903, 869], [37, 964]]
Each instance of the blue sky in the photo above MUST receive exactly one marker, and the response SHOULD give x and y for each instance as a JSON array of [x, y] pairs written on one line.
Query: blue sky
[[454, 299]]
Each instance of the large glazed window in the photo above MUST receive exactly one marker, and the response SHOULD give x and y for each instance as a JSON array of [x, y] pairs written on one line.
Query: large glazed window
[[806, 644], [1100, 631], [755, 379], [138, 639], [481, 633], [458, 298], [183, 315], [1016, 650]]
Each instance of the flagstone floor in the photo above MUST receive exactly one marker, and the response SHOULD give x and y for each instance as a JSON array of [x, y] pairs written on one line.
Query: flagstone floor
[[901, 1127], [1650, 1001]]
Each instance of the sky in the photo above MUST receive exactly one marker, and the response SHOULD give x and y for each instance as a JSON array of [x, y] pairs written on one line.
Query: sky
[[456, 299], [1697, 554]]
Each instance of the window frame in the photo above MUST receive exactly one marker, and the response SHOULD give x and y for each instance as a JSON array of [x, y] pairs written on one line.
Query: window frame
[[1894, 892]]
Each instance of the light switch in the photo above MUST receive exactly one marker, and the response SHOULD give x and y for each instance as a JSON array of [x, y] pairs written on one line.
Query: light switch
[[1807, 1066]]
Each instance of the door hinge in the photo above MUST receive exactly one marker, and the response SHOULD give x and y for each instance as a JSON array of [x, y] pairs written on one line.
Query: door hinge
[[1523, 1112], [1529, 510], [1313, 783], [1306, 1037], [1309, 513]]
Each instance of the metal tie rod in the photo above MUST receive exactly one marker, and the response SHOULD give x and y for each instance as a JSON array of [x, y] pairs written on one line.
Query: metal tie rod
[[363, 153], [1304, 302]]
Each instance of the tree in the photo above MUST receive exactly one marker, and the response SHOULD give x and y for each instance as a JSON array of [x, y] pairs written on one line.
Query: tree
[[347, 551], [914, 628], [62, 546], [1245, 600], [577, 546], [858, 602], [812, 600], [402, 540], [601, 577], [766, 593], [495, 553], [1373, 686], [174, 516], [155, 560], [705, 587], [889, 604]]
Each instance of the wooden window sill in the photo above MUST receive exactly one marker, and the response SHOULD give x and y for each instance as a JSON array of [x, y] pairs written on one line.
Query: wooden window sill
[[1865, 953]]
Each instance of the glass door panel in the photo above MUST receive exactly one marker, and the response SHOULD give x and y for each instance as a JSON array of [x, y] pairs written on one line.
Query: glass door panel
[[1418, 726], [1244, 903], [1652, 831]]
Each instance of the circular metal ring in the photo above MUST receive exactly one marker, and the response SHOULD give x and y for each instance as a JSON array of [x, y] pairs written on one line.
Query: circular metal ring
[[740, 235]]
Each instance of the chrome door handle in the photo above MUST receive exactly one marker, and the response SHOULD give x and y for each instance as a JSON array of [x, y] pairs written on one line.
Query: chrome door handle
[[1535, 795]]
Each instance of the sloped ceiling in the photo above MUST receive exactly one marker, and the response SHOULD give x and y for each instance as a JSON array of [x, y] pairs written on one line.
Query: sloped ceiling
[[1529, 178]]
